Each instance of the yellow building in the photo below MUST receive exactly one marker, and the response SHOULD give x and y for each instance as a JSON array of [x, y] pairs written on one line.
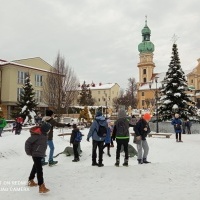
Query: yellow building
[[12, 78], [103, 93]]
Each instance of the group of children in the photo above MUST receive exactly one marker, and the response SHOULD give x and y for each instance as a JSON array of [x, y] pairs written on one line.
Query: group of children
[[102, 133]]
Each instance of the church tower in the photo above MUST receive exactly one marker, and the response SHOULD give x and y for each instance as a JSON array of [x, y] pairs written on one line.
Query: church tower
[[146, 49]]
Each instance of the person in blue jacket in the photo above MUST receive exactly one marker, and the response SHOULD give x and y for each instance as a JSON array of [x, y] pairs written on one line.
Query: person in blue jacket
[[98, 132], [177, 123]]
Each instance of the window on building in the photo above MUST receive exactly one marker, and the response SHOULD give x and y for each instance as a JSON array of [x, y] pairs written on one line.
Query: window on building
[[38, 95], [22, 77], [144, 80], [19, 91], [144, 71], [99, 99], [142, 93], [192, 81], [143, 102], [38, 80], [99, 92]]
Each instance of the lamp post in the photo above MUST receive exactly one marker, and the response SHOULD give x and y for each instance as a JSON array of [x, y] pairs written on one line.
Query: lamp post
[[156, 102], [106, 102]]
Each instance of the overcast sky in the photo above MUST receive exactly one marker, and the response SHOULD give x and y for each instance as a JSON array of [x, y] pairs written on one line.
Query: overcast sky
[[99, 38]]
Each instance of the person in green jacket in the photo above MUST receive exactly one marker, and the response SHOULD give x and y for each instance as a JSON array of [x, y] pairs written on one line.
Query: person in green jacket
[[3, 123]]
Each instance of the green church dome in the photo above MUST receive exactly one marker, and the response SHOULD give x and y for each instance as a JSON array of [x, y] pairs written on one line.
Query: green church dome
[[146, 30], [146, 46]]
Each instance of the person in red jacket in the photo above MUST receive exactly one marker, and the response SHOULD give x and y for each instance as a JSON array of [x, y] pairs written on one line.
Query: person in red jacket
[[36, 146]]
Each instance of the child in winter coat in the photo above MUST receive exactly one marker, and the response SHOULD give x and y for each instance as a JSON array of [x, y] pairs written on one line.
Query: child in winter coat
[[75, 139], [3, 123], [36, 146], [108, 138], [177, 123], [17, 126]]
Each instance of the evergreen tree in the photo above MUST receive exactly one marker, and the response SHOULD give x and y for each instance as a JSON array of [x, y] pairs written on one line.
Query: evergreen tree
[[86, 96], [90, 100], [27, 102], [174, 92]]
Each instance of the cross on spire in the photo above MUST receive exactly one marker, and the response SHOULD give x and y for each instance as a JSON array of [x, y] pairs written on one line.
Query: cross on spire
[[145, 20], [174, 38]]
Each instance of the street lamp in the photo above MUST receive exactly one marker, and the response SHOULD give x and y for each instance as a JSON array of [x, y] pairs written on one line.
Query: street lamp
[[106, 102], [156, 102]]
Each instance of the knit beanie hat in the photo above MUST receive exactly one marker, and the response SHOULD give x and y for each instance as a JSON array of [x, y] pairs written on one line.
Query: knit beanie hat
[[49, 113], [147, 116], [45, 127], [98, 114]]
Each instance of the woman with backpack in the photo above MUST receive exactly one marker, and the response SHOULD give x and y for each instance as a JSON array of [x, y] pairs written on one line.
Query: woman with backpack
[[75, 140]]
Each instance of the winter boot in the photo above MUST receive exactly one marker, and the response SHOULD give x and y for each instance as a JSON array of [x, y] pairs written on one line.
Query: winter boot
[[94, 163], [125, 162], [100, 165], [140, 161], [43, 189], [145, 161], [75, 160], [117, 163], [32, 183], [52, 162], [108, 152], [43, 162]]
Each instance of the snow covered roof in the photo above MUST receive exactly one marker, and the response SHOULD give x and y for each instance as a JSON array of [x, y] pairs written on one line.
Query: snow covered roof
[[101, 86], [21, 65], [161, 77]]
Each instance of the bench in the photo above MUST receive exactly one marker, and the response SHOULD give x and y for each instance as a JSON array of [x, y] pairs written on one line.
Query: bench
[[167, 135], [63, 134]]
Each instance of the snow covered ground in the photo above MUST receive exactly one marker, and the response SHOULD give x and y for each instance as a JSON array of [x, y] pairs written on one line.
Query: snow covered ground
[[174, 173]]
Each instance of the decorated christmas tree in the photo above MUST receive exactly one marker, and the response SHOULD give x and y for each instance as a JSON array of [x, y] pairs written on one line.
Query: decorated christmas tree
[[175, 97]]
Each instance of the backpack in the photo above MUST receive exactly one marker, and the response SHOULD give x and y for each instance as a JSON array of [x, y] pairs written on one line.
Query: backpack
[[102, 131], [122, 128], [78, 137]]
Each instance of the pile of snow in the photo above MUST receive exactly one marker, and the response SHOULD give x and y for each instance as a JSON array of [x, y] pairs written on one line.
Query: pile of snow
[[174, 173]]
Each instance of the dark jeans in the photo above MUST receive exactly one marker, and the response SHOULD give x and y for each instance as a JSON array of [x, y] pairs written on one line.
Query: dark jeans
[[75, 148], [37, 168], [98, 144], [178, 136], [121, 142]]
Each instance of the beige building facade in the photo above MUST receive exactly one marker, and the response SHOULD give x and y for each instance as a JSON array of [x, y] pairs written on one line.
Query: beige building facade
[[12, 79], [103, 94]]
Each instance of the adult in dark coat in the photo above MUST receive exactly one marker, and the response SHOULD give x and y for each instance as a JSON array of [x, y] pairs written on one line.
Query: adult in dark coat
[[121, 134], [141, 131], [50, 119]]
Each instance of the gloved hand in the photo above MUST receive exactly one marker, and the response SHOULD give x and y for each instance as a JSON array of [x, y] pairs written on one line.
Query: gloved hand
[[88, 139]]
